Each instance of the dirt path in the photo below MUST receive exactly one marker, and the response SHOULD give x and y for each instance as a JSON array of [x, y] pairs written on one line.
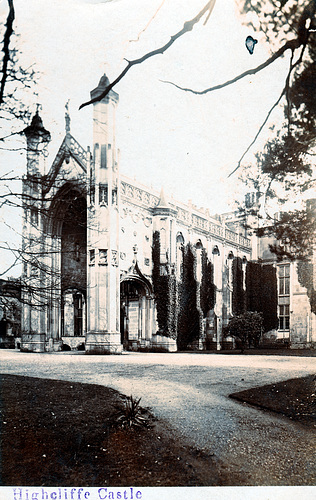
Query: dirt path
[[189, 391]]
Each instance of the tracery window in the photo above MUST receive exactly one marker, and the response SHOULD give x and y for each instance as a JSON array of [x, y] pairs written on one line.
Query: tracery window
[[103, 194], [163, 242], [179, 254], [103, 257], [198, 248]]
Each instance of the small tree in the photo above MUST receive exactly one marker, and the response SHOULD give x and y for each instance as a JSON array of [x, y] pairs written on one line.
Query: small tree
[[246, 329]]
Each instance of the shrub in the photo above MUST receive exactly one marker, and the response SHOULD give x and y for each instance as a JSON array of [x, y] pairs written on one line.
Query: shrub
[[132, 415], [246, 329]]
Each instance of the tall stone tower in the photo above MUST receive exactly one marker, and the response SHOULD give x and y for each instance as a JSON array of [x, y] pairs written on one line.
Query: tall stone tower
[[34, 315], [103, 283]]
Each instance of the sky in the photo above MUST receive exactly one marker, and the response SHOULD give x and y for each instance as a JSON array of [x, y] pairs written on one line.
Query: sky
[[186, 143]]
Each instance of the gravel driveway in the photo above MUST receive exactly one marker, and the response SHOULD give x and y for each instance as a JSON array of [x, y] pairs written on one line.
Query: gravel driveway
[[190, 392]]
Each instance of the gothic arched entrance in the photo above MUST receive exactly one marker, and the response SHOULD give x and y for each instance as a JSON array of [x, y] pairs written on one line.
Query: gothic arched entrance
[[67, 225], [137, 312]]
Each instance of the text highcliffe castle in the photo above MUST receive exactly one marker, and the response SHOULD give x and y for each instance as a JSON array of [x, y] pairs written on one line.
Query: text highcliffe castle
[[76, 494]]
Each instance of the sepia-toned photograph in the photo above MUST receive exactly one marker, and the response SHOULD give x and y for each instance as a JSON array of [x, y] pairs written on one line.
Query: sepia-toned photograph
[[157, 249]]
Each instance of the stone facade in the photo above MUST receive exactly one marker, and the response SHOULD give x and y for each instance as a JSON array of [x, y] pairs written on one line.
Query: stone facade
[[87, 244], [297, 322], [88, 234]]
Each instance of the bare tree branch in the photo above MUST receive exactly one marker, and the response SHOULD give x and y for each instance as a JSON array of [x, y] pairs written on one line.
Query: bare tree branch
[[148, 24], [259, 132], [287, 94], [6, 50], [284, 92], [289, 45], [188, 26]]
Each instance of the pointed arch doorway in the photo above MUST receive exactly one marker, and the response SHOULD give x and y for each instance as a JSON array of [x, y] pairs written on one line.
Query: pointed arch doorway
[[67, 227], [137, 317]]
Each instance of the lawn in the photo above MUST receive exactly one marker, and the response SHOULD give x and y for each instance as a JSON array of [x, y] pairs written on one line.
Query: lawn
[[294, 398], [57, 433]]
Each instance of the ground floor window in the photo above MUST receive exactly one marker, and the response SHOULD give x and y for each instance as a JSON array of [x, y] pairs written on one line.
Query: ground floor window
[[284, 317], [73, 314]]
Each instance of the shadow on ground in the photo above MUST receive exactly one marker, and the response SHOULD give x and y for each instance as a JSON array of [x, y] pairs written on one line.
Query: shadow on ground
[[57, 433], [294, 398]]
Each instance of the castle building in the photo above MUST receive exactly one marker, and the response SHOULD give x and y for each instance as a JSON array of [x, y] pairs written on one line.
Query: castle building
[[296, 280], [90, 276], [88, 237]]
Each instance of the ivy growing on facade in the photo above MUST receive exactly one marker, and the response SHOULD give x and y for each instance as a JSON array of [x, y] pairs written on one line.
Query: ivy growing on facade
[[165, 290], [239, 294], [305, 276], [207, 289], [189, 322], [261, 293]]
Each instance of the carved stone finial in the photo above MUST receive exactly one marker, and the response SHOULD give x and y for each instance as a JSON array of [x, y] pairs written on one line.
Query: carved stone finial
[[67, 117]]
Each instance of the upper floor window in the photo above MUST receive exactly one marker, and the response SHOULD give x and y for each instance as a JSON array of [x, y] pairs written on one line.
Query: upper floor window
[[198, 249], [284, 279], [92, 257], [163, 246], [179, 254], [34, 216], [92, 195], [103, 194]]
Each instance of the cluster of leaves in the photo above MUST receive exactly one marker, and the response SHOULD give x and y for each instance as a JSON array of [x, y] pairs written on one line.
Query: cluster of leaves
[[278, 20], [246, 328], [295, 235], [285, 169], [132, 414]]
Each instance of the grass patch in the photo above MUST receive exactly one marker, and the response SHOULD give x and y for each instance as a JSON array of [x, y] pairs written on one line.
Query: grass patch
[[57, 433], [294, 398]]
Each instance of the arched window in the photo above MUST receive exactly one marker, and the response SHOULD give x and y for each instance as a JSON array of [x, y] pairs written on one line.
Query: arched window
[[163, 244], [179, 254], [198, 247], [215, 250], [230, 258]]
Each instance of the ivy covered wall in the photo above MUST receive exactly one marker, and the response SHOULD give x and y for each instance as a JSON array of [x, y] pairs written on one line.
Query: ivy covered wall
[[207, 289], [165, 291], [239, 295], [182, 303], [262, 294], [189, 323], [305, 274]]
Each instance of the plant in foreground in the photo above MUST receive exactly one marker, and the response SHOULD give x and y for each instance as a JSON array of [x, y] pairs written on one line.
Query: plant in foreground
[[132, 415]]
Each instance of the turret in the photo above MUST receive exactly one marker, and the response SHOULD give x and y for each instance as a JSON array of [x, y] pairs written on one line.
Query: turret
[[103, 329], [33, 322], [37, 138], [164, 216]]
